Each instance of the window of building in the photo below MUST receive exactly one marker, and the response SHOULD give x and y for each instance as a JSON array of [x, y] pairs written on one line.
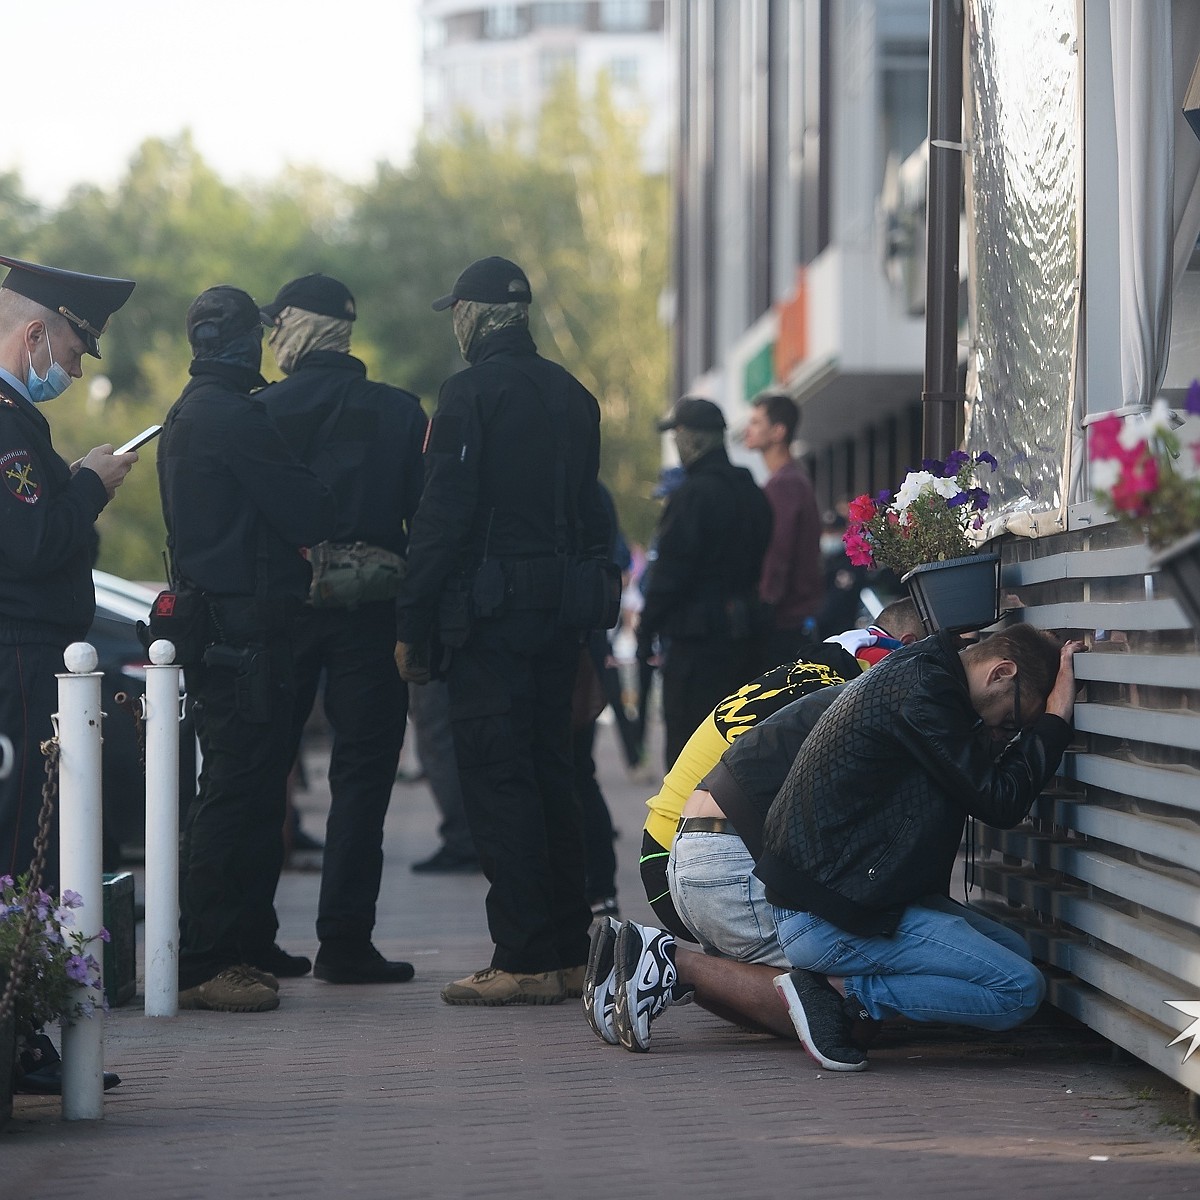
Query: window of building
[[623, 16], [552, 62], [624, 71], [560, 14], [502, 21]]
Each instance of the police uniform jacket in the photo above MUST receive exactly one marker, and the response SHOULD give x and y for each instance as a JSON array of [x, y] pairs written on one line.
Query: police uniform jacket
[[871, 814], [363, 439], [490, 473], [232, 490], [47, 535], [710, 545]]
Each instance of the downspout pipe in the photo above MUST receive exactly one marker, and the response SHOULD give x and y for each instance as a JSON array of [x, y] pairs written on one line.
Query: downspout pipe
[[942, 403]]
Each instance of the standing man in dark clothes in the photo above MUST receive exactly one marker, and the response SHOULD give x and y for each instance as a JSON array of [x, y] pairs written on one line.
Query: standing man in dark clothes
[[510, 495], [792, 582], [363, 440], [49, 319], [238, 507], [701, 596]]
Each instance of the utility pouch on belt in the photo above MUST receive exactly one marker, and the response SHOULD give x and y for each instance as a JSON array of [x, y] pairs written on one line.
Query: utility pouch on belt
[[252, 683], [454, 615], [347, 574], [487, 590], [591, 596], [180, 616]]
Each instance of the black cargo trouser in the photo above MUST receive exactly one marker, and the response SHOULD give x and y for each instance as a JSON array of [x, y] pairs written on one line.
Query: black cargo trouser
[[366, 703], [510, 709], [697, 674], [232, 846], [28, 695]]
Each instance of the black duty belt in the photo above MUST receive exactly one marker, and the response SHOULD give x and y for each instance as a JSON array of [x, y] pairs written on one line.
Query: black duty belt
[[704, 825]]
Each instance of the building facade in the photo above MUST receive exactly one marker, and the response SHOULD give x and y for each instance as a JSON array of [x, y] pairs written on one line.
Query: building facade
[[496, 62]]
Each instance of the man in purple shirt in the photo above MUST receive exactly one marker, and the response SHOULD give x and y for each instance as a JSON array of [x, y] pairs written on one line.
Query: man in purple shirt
[[792, 580]]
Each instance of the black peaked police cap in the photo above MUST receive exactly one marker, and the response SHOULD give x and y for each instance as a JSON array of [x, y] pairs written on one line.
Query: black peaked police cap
[[490, 281], [86, 301]]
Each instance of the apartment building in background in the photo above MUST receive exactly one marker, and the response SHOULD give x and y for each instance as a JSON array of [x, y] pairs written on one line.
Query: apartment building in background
[[496, 62]]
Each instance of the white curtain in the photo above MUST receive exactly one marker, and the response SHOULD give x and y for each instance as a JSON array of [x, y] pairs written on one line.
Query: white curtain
[[1154, 48]]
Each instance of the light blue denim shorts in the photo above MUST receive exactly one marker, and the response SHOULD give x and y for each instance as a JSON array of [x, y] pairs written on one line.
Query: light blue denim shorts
[[720, 899]]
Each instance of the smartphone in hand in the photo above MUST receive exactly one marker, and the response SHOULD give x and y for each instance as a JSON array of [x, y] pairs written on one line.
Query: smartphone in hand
[[134, 443]]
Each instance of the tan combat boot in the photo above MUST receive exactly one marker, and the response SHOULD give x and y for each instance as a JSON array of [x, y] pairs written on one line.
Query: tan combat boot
[[492, 986]]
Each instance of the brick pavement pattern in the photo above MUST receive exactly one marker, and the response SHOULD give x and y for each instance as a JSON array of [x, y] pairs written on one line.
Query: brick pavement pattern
[[384, 1091]]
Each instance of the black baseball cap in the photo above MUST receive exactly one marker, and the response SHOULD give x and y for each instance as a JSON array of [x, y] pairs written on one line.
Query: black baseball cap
[[490, 280], [320, 294], [220, 314], [692, 412], [86, 301]]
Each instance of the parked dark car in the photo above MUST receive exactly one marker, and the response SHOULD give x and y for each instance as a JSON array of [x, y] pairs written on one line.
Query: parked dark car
[[120, 604]]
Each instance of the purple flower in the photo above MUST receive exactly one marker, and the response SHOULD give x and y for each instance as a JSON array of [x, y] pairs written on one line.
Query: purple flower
[[955, 461], [77, 968], [1192, 406], [979, 498], [884, 498], [984, 457], [934, 466], [6, 881], [959, 500], [105, 936], [71, 899], [978, 522]]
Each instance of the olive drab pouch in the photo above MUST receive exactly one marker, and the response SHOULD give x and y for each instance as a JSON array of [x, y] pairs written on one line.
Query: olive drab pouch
[[591, 597], [347, 574], [179, 616]]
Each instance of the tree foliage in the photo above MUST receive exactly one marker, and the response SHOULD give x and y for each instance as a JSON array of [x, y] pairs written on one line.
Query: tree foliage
[[570, 204]]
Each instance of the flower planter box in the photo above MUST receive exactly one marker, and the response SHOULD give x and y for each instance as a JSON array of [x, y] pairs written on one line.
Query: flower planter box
[[956, 594], [1179, 566]]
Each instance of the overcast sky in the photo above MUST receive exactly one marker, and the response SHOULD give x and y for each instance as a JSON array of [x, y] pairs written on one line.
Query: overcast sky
[[260, 83]]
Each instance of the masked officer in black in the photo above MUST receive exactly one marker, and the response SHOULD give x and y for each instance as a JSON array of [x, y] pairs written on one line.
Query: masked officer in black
[[364, 440], [49, 319], [238, 507], [510, 479], [701, 593]]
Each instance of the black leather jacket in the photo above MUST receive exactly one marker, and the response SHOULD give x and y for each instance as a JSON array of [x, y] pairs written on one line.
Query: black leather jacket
[[871, 814]]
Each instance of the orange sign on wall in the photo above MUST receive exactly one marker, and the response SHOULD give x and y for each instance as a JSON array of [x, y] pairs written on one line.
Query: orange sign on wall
[[791, 347]]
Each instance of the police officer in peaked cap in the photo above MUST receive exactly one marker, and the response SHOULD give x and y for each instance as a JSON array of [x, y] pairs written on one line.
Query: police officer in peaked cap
[[49, 319]]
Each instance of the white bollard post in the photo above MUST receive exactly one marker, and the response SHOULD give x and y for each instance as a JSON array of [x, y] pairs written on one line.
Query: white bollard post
[[162, 832], [81, 870]]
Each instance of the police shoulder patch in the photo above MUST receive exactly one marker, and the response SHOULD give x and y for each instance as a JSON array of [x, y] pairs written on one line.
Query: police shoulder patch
[[17, 472]]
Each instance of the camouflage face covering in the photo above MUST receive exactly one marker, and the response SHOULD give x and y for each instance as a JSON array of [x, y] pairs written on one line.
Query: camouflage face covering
[[299, 332], [695, 443], [474, 320]]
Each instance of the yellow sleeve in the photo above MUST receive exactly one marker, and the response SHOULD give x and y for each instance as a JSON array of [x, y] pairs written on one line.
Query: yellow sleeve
[[701, 753]]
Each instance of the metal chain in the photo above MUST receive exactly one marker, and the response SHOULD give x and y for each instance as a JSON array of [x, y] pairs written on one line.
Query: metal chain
[[133, 706], [51, 750]]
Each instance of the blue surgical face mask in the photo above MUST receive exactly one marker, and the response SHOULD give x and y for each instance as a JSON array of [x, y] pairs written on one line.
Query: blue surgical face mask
[[54, 383]]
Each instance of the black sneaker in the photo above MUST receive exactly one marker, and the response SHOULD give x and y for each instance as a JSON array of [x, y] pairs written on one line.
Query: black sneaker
[[646, 983], [821, 1021], [359, 964], [600, 979], [278, 962], [447, 862]]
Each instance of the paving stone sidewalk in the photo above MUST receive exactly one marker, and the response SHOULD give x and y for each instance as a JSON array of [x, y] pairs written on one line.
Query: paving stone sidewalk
[[386, 1092]]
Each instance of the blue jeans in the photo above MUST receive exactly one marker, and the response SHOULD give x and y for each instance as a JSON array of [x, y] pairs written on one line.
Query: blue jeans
[[943, 963], [721, 900]]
